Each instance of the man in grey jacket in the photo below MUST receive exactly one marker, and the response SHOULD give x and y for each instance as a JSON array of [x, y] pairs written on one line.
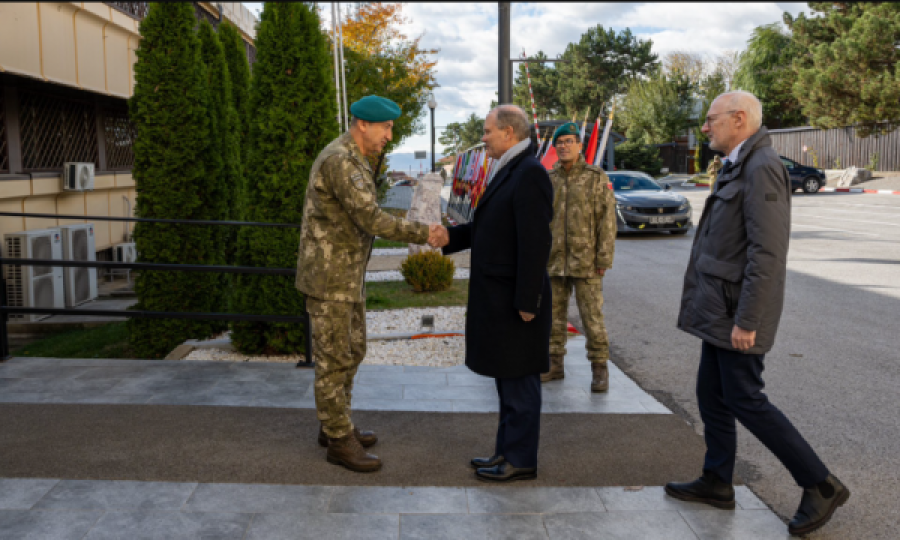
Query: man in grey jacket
[[732, 300]]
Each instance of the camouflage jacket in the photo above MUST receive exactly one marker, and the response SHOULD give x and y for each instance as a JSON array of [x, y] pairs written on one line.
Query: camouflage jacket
[[584, 221], [341, 217]]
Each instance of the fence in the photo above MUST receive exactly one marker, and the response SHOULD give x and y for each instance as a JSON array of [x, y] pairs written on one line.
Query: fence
[[6, 310], [837, 148]]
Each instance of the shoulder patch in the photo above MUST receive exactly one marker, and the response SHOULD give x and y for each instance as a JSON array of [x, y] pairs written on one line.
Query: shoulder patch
[[358, 179]]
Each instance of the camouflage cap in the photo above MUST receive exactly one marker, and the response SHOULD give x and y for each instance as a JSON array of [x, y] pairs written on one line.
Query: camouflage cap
[[569, 128], [375, 109]]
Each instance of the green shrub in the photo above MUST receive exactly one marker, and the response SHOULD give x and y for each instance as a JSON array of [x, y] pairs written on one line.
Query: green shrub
[[873, 162], [637, 156], [428, 271]]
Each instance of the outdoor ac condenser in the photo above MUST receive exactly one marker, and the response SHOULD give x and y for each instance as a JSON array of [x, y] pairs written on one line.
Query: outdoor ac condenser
[[78, 176], [34, 286], [125, 252], [78, 245]]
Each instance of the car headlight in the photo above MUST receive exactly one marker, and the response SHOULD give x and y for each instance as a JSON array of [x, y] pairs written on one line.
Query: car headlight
[[684, 206], [621, 206]]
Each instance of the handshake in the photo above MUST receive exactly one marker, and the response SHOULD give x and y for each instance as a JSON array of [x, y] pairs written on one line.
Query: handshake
[[438, 236]]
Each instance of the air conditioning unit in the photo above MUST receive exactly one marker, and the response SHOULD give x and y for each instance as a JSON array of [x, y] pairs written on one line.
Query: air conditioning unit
[[126, 252], [78, 245], [78, 176], [34, 286]]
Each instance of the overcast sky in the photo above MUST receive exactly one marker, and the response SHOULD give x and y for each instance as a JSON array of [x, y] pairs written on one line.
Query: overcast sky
[[466, 34]]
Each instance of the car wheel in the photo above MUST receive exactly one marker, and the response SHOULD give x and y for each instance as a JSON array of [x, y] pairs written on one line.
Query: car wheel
[[679, 233], [810, 184]]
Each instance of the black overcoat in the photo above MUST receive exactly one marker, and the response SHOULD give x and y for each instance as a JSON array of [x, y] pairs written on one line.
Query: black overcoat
[[736, 272], [510, 240]]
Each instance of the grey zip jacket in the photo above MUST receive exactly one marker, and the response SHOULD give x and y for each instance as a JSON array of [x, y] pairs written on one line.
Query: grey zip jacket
[[736, 273]]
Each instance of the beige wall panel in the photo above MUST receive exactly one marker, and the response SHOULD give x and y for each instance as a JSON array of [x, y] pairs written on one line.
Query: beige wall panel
[[46, 186], [70, 204], [97, 8], [98, 205], [14, 188], [126, 22], [118, 62], [91, 69], [104, 181], [11, 224], [124, 180], [118, 208], [40, 205], [58, 43], [19, 44], [133, 43]]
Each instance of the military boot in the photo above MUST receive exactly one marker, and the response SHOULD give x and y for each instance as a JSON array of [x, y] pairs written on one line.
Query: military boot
[[348, 452], [600, 378], [556, 369], [365, 438]]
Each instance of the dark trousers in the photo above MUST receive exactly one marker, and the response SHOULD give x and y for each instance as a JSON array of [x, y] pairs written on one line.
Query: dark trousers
[[729, 387], [520, 420]]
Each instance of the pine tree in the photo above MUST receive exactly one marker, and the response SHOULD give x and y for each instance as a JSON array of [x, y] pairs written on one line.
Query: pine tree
[[292, 103], [849, 69], [239, 69], [169, 108], [223, 157]]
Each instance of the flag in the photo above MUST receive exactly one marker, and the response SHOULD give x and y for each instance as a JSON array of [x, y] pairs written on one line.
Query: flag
[[592, 144], [598, 160], [550, 158]]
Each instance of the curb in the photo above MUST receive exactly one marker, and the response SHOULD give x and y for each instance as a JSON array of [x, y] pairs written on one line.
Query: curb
[[860, 190]]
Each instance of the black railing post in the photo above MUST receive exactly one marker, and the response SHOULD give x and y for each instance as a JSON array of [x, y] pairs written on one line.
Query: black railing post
[[4, 316], [307, 335]]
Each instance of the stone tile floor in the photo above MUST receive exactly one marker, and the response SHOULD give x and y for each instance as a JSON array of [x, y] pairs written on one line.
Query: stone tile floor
[[60, 509]]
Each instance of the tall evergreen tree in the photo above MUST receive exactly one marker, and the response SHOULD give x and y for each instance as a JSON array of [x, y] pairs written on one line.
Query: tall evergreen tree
[[849, 69], [293, 109], [169, 108], [223, 158], [544, 85], [239, 69]]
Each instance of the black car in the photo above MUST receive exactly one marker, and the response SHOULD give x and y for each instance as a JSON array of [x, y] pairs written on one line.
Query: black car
[[642, 205], [802, 177]]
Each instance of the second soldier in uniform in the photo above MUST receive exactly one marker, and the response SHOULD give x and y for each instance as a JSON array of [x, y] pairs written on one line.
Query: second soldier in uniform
[[584, 234], [341, 217]]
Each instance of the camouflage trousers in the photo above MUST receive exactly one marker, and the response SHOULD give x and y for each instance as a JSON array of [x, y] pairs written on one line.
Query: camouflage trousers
[[589, 298], [339, 346]]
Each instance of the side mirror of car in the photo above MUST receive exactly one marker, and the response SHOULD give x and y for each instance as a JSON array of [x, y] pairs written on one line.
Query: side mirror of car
[[668, 187]]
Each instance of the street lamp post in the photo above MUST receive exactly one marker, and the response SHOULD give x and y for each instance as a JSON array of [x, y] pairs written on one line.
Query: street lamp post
[[432, 104]]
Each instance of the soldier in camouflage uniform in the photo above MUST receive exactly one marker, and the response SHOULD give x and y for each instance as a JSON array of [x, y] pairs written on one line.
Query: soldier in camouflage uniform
[[341, 217], [584, 235]]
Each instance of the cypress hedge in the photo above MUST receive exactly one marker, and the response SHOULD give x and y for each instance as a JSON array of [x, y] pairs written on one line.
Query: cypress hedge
[[169, 109], [239, 69], [292, 104]]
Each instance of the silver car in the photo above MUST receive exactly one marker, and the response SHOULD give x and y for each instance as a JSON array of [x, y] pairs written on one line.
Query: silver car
[[642, 205]]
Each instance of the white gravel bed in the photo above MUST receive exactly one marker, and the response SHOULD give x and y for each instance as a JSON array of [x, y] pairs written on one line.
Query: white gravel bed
[[395, 275], [382, 252], [390, 321]]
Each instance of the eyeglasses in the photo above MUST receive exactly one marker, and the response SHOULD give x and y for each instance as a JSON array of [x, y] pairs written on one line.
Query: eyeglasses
[[567, 142], [712, 117]]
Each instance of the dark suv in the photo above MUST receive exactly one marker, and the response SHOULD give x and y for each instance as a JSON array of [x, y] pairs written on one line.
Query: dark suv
[[806, 178]]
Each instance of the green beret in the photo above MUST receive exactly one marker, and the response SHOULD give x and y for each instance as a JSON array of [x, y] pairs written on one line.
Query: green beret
[[375, 109], [569, 128]]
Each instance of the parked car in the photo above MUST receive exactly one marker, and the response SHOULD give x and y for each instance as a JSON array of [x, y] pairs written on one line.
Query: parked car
[[405, 183], [642, 205], [806, 178]]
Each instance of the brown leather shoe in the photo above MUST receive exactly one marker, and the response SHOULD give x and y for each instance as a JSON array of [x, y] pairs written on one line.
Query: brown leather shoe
[[557, 371], [600, 379], [347, 451], [365, 438]]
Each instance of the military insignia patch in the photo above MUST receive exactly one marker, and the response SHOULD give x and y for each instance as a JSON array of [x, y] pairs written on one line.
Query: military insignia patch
[[358, 180]]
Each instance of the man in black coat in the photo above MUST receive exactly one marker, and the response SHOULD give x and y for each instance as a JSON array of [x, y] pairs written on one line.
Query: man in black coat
[[508, 316], [732, 300]]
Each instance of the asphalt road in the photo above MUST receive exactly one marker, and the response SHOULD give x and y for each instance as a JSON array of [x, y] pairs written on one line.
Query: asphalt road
[[835, 367]]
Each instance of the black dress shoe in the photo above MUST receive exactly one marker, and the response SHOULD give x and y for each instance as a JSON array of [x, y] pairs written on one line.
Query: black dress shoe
[[707, 489], [505, 472], [483, 462], [815, 509]]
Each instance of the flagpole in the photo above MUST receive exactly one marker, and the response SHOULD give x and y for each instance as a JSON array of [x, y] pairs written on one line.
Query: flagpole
[[343, 75], [337, 78], [584, 124], [602, 148], [537, 130]]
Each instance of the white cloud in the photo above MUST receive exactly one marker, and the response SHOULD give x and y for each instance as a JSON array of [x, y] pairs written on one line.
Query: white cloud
[[466, 33]]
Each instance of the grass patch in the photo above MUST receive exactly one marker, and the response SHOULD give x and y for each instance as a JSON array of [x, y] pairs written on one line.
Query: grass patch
[[382, 243], [107, 341], [398, 295]]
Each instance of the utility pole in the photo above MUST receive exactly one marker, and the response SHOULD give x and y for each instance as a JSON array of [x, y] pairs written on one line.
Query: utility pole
[[504, 68]]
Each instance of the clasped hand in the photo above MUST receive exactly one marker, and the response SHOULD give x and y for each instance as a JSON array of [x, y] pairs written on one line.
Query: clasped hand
[[438, 236]]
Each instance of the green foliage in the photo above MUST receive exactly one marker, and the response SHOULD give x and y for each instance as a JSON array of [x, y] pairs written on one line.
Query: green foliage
[[657, 109], [428, 271], [637, 156], [600, 66], [239, 70], [873, 162], [764, 69], [292, 103], [108, 340], [169, 108], [710, 87], [848, 72], [458, 136], [544, 84], [398, 295]]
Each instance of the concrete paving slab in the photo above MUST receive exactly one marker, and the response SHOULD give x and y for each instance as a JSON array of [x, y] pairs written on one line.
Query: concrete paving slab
[[115, 495], [322, 526], [660, 525], [468, 526], [19, 524], [169, 525], [397, 500], [736, 525], [258, 498], [23, 493], [542, 500]]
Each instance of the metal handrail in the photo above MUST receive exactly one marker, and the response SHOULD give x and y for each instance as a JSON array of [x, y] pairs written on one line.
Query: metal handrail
[[5, 310]]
